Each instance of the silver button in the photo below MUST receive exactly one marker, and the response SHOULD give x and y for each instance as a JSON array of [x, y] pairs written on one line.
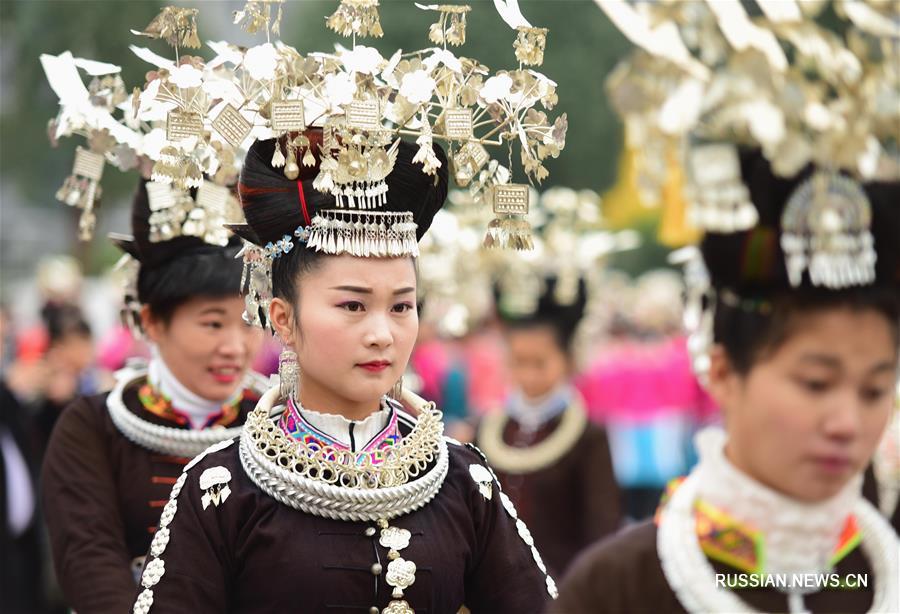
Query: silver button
[[370, 532], [376, 569], [374, 610]]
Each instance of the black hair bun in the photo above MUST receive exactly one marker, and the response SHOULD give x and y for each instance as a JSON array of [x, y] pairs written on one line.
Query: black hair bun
[[753, 262], [562, 316], [272, 203]]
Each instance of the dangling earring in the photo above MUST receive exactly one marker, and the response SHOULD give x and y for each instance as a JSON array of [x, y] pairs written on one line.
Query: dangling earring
[[288, 374], [396, 390]]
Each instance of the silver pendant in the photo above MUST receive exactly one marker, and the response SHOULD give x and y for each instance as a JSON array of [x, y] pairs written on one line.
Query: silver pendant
[[484, 479], [398, 607], [394, 538], [214, 483], [401, 574]]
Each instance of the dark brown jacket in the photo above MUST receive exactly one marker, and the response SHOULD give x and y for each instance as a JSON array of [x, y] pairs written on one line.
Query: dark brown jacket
[[623, 575], [571, 503], [252, 553], [102, 497]]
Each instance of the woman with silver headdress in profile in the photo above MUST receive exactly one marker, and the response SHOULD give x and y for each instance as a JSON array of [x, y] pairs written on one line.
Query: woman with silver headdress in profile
[[805, 378], [799, 339]]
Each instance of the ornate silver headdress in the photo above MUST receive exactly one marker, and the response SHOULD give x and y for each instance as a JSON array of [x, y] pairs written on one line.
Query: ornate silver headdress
[[192, 116], [161, 130], [364, 103], [825, 230], [709, 78], [127, 269]]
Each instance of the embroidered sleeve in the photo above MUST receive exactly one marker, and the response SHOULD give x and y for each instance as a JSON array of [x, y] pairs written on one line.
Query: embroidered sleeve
[[508, 574], [185, 570]]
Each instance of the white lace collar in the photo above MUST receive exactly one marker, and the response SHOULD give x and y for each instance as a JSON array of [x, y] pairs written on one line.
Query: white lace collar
[[355, 434], [799, 537], [532, 414], [693, 579], [195, 407]]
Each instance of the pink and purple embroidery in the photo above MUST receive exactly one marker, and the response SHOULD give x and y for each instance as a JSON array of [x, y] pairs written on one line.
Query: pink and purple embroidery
[[294, 424]]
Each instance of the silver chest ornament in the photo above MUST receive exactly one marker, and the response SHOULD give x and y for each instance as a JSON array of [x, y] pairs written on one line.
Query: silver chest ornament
[[214, 483], [401, 574], [484, 479], [394, 538]]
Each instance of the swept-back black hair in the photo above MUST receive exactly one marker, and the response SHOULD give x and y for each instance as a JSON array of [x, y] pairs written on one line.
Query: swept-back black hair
[[203, 272], [275, 206]]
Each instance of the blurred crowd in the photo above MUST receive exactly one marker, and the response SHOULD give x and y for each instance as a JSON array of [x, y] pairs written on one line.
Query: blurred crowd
[[636, 381]]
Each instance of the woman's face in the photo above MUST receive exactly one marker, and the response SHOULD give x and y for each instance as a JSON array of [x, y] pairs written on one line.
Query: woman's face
[[354, 329], [74, 353], [807, 418], [537, 363], [206, 344]]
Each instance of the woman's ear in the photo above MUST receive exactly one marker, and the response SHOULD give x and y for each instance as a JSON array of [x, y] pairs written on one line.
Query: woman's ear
[[723, 381], [281, 316], [151, 325]]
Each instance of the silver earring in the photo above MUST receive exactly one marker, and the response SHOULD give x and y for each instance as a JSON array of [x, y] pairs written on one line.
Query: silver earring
[[288, 373]]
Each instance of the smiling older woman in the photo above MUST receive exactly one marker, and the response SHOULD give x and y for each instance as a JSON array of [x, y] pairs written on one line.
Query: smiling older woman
[[113, 458]]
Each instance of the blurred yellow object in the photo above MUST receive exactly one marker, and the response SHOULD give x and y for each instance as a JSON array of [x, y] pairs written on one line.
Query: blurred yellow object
[[675, 229], [622, 205]]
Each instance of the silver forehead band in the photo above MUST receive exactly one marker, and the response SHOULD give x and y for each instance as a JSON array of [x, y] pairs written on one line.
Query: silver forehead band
[[369, 234]]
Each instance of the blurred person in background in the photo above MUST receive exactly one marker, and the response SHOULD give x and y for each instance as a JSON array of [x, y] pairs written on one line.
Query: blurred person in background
[[552, 461], [21, 580], [68, 366]]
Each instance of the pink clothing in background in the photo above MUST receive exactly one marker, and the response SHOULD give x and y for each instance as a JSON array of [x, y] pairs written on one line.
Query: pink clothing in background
[[488, 380], [117, 347], [636, 381], [431, 361]]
